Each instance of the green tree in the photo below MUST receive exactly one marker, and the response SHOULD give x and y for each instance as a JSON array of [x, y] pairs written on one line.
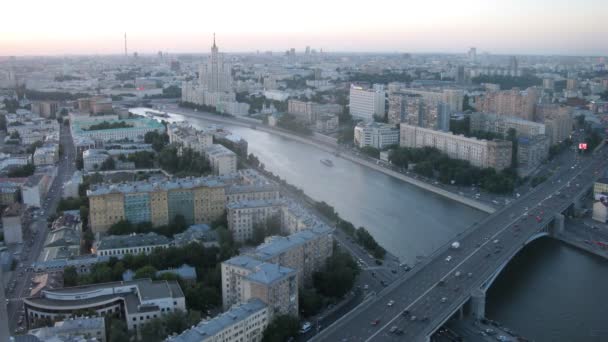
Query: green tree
[[145, 272], [370, 151], [117, 331], [70, 276], [310, 302], [338, 276], [153, 330], [281, 329]]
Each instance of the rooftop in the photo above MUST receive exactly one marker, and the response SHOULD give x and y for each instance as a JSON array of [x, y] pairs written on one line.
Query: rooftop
[[133, 240], [166, 185], [279, 244], [208, 329]]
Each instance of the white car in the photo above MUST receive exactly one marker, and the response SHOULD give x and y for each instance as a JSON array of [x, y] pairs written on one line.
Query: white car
[[449, 257], [390, 302]]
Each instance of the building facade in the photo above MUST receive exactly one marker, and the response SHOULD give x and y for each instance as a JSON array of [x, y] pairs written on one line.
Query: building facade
[[377, 135], [500, 124], [198, 200], [513, 102], [222, 160], [136, 302], [244, 279], [364, 103], [480, 153], [121, 245]]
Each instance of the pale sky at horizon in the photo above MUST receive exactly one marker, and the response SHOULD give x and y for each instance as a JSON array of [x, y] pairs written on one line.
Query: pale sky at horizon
[[42, 27]]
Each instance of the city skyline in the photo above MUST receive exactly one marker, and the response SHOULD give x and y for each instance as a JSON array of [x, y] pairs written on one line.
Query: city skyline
[[515, 27]]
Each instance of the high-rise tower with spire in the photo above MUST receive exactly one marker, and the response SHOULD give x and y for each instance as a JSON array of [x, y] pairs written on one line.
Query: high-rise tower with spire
[[215, 75]]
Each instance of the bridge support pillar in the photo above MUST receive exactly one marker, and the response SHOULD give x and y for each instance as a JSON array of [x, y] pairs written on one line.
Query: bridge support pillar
[[478, 304], [558, 225]]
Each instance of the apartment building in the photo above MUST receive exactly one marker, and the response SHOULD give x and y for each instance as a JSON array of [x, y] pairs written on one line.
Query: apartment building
[[513, 102], [130, 129], [600, 187], [47, 154], [198, 200], [243, 215], [308, 112], [306, 251], [121, 245], [500, 124], [531, 152], [32, 130], [222, 160], [365, 103], [558, 121], [241, 323], [245, 278], [375, 134], [187, 136], [480, 153], [136, 302], [46, 109]]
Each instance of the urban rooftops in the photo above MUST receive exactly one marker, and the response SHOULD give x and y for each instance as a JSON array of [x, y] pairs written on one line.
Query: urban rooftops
[[208, 329]]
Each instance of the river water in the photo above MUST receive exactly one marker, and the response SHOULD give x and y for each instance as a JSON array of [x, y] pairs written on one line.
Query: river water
[[550, 292]]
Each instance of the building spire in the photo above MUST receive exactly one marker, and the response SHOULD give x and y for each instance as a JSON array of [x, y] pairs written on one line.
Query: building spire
[[214, 40]]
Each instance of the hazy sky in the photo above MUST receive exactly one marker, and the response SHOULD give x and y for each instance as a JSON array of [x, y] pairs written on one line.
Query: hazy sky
[[573, 27]]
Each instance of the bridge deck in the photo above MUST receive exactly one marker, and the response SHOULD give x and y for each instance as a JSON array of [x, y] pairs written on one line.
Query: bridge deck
[[483, 250]]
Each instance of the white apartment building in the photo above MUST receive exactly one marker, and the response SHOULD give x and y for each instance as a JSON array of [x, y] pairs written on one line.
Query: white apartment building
[[7, 160], [376, 135], [480, 153], [36, 187], [185, 135], [93, 158], [223, 161], [12, 226], [366, 103], [242, 323], [46, 155]]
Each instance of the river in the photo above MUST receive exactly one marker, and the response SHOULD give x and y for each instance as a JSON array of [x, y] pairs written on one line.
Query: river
[[405, 219], [550, 292]]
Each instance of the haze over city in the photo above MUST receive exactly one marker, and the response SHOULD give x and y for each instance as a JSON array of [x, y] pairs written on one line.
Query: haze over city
[[501, 27], [279, 171]]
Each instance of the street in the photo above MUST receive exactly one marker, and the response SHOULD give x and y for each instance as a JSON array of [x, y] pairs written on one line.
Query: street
[[20, 280]]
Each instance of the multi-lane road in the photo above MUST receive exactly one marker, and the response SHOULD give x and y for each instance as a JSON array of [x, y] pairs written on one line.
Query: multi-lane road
[[425, 300], [21, 280]]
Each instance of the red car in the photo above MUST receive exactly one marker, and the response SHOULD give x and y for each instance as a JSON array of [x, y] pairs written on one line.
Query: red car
[[538, 219], [375, 322]]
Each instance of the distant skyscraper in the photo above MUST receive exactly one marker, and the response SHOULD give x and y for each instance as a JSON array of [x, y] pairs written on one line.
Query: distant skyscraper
[[443, 117], [513, 66], [460, 76], [215, 75], [307, 51], [472, 54], [126, 52]]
